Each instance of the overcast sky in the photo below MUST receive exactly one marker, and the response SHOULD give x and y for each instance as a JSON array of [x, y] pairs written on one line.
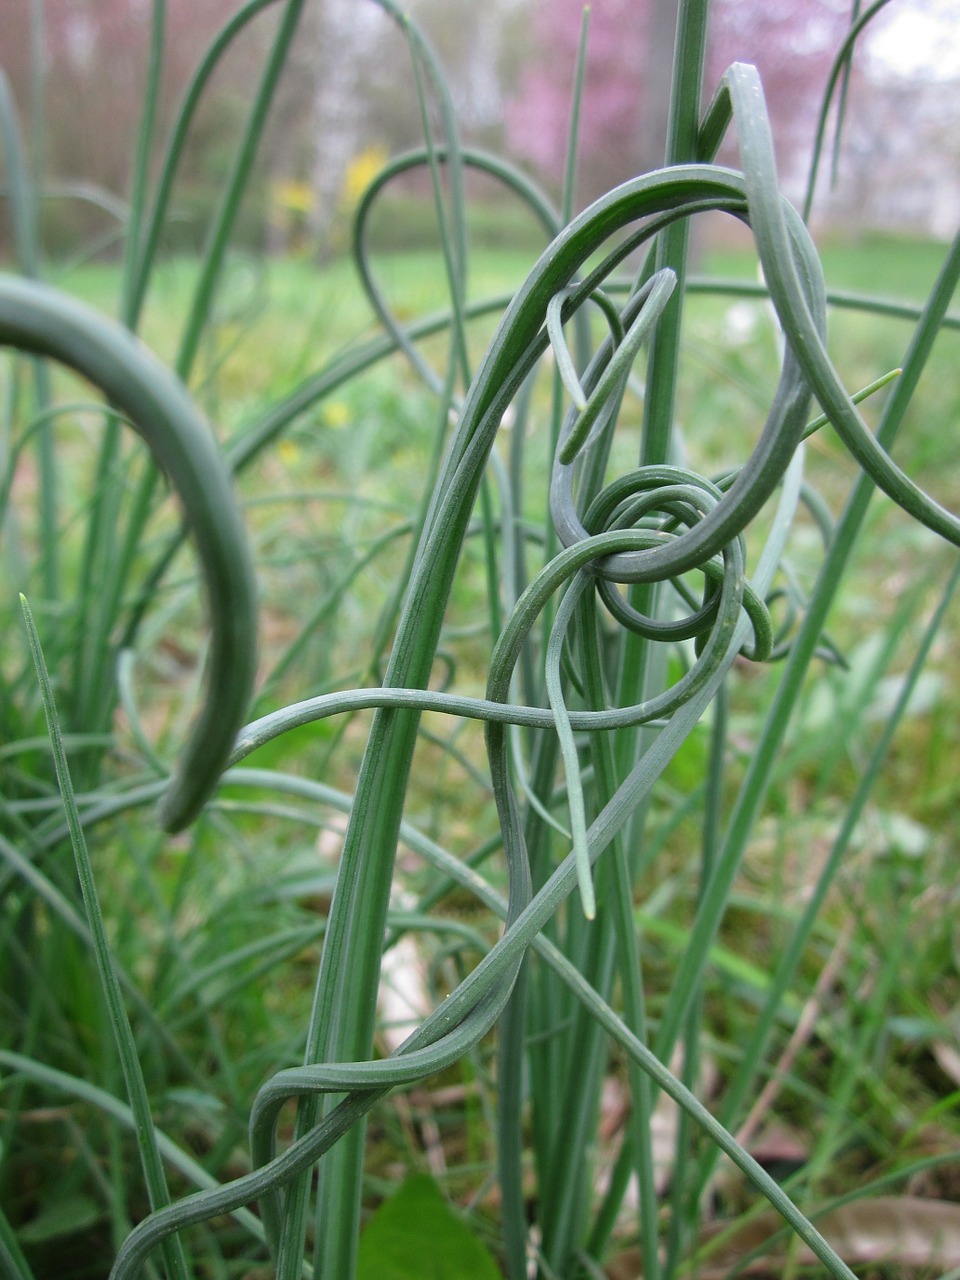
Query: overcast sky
[[918, 37]]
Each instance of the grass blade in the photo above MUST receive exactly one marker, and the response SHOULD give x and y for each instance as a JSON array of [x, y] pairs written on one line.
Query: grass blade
[[152, 1165]]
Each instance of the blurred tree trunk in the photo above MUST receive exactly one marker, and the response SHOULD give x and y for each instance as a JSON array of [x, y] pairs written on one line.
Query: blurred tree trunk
[[343, 34]]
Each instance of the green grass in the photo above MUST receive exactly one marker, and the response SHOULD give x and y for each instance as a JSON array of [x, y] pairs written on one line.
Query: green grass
[[778, 822]]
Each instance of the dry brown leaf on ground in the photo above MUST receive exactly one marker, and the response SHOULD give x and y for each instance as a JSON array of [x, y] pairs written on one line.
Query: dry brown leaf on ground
[[948, 1059], [901, 1231]]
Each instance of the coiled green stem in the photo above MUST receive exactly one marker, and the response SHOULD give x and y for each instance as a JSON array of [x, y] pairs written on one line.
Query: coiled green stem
[[43, 321]]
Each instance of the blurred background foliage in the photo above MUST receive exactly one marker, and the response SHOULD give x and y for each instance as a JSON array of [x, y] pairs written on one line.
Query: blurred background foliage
[[77, 68]]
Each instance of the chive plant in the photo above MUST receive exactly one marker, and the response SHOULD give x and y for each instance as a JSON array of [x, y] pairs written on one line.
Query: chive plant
[[616, 628]]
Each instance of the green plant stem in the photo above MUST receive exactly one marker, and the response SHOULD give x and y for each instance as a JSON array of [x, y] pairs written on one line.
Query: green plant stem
[[154, 1176], [26, 243], [837, 71], [682, 148], [138, 195], [38, 319]]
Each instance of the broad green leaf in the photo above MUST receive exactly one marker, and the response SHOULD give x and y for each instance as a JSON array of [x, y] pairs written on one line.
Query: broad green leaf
[[416, 1236], [62, 1217]]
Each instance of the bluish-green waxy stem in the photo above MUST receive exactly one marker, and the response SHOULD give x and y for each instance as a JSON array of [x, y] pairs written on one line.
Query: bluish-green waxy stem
[[343, 1017], [45, 322]]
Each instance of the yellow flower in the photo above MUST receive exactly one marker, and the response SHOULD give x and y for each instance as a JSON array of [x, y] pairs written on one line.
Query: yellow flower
[[293, 197], [336, 414], [361, 171]]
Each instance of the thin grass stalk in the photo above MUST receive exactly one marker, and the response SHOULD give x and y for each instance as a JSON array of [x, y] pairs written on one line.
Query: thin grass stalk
[[511, 1059], [573, 1078], [452, 233], [842, 102], [13, 1264], [640, 672], [690, 49], [20, 193], [22, 198], [141, 169], [100, 586], [639, 1133], [537, 1019], [154, 1176], [567, 198], [547, 1004], [842, 60], [453, 246], [842, 298], [848, 1068], [511, 1045], [38, 90], [684, 1206]]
